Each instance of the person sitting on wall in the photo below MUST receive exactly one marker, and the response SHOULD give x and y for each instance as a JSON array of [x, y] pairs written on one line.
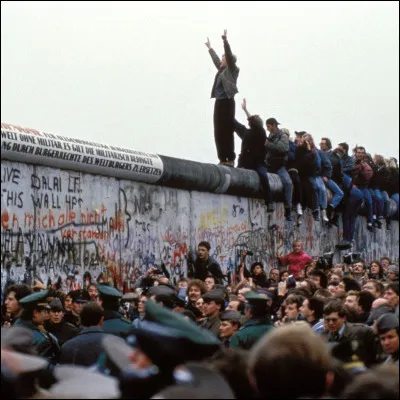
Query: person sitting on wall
[[252, 155], [296, 260], [205, 265]]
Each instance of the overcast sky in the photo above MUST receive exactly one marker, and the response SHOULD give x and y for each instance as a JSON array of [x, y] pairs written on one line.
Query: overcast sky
[[138, 74]]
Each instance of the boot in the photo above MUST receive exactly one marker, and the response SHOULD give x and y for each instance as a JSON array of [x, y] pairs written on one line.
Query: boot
[[299, 209], [315, 215], [324, 216], [288, 214]]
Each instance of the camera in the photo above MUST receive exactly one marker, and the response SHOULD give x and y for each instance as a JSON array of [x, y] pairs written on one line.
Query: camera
[[290, 282], [351, 258], [325, 262]]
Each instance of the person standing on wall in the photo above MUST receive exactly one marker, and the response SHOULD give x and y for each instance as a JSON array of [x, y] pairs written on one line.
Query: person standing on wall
[[224, 90]]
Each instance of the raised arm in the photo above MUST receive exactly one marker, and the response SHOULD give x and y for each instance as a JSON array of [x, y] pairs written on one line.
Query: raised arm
[[228, 52], [244, 106], [216, 60]]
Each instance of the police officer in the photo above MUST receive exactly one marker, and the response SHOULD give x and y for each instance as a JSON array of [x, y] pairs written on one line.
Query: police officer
[[230, 323], [35, 313], [114, 321], [79, 298], [258, 322], [388, 330], [213, 305]]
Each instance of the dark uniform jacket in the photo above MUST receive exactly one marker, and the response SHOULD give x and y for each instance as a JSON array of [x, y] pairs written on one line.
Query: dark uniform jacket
[[83, 349], [250, 333], [45, 343], [63, 331], [212, 325], [116, 323]]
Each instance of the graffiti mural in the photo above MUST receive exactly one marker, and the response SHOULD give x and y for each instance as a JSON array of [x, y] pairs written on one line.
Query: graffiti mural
[[65, 227]]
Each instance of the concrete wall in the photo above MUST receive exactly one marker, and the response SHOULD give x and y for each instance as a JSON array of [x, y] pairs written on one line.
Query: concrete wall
[[56, 223]]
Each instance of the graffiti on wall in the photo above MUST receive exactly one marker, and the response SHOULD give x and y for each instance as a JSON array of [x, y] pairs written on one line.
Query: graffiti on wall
[[66, 228]]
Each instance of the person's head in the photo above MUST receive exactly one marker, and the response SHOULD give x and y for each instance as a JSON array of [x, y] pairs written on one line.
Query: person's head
[[312, 309], [325, 144], [272, 125], [379, 302], [68, 303], [92, 314], [365, 300], [309, 285], [385, 262], [200, 304], [195, 289], [229, 326], [319, 278], [209, 283], [224, 62], [297, 246], [274, 275], [323, 294], [211, 308], [332, 287], [292, 308], [392, 273], [308, 268], [358, 268], [387, 327], [347, 284], [334, 315], [13, 295], [182, 283], [203, 250], [375, 269], [379, 160], [257, 269], [359, 152], [351, 300], [309, 139], [40, 314], [391, 294], [283, 276], [142, 304], [255, 121], [56, 312], [344, 147], [290, 362], [93, 292]]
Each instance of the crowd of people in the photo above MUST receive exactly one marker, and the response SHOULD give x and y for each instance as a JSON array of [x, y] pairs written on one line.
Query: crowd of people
[[307, 329], [328, 180]]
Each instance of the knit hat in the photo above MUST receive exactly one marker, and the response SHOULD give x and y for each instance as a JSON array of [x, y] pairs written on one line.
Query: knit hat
[[394, 268]]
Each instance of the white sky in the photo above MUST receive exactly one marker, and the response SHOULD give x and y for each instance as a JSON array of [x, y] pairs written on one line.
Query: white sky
[[138, 75]]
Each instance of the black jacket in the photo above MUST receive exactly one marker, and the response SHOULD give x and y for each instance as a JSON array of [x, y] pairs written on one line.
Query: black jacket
[[381, 178], [337, 168], [253, 146], [63, 331], [203, 269], [306, 161], [83, 349]]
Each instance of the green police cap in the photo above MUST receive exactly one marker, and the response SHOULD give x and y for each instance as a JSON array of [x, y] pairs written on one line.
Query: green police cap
[[253, 297], [387, 322], [108, 291], [37, 299], [231, 315], [216, 295], [187, 329]]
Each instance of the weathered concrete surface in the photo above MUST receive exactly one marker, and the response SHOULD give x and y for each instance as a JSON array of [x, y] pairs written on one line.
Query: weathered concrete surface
[[57, 223]]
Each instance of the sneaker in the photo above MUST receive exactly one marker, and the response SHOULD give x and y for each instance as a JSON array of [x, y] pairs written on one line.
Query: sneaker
[[288, 214], [315, 215], [379, 224], [270, 207], [330, 212], [324, 216], [335, 220], [388, 224], [299, 209], [370, 227]]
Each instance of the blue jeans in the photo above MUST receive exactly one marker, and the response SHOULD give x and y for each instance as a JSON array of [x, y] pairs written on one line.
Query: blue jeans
[[347, 181], [350, 212], [395, 197], [321, 190], [368, 204], [287, 186], [386, 200], [263, 174], [336, 191], [311, 191], [377, 202]]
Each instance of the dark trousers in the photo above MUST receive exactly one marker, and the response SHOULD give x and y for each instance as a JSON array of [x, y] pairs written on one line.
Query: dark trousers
[[349, 215], [297, 189], [224, 115]]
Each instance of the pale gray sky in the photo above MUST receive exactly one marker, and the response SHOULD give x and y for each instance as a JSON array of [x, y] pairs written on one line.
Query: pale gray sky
[[138, 75]]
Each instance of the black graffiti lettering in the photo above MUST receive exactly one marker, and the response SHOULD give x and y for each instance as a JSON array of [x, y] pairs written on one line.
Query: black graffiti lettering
[[46, 183], [12, 198], [74, 184], [72, 201], [12, 175], [44, 200]]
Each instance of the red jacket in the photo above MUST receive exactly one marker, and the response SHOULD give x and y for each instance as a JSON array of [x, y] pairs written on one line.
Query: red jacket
[[296, 262]]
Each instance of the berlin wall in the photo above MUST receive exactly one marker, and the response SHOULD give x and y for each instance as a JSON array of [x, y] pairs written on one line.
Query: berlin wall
[[117, 218]]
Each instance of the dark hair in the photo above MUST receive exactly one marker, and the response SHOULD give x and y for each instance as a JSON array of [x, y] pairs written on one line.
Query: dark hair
[[365, 300], [380, 273], [198, 283], [189, 314], [351, 284], [323, 277], [379, 287], [323, 294], [91, 314], [335, 306], [259, 309], [394, 286], [345, 146], [311, 285], [386, 258], [317, 305], [255, 265], [282, 272], [328, 142], [232, 364], [295, 299], [204, 244], [20, 291]]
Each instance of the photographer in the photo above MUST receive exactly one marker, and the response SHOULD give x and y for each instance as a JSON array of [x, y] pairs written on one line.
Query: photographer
[[256, 276]]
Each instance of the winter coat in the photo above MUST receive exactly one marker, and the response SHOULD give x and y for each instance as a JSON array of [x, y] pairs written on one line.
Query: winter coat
[[295, 261], [277, 150]]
